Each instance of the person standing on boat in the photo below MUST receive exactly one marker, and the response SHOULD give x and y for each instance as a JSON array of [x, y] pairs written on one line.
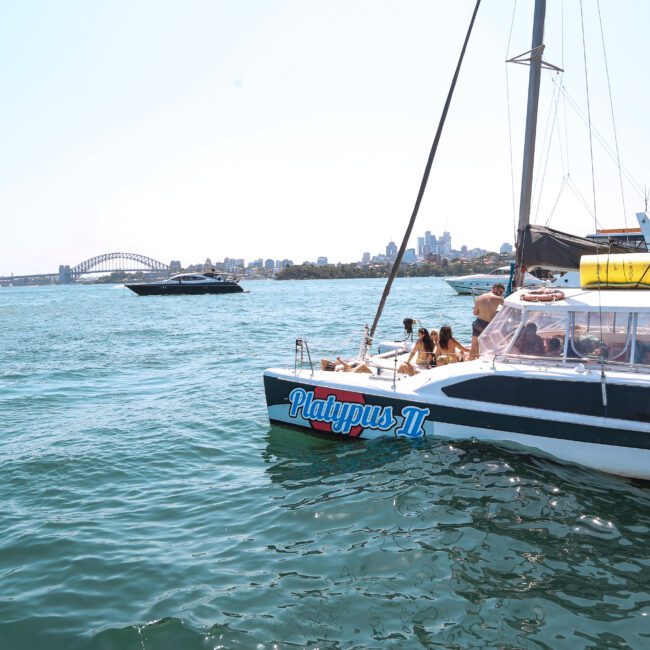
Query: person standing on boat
[[485, 307]]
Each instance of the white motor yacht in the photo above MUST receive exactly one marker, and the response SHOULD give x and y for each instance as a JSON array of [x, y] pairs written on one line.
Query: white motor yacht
[[481, 282]]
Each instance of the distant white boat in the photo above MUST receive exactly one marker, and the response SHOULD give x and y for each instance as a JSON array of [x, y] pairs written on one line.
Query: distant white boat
[[483, 282], [637, 239]]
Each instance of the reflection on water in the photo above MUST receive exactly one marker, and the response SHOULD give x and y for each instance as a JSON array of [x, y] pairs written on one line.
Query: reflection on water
[[455, 536], [295, 458], [146, 503]]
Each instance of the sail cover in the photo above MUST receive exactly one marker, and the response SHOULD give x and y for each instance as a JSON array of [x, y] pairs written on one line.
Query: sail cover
[[551, 249]]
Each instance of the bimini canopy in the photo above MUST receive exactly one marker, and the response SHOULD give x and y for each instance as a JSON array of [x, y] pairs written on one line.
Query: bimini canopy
[[551, 249]]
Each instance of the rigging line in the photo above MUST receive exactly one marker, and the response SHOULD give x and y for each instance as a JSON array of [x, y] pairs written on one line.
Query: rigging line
[[557, 199], [626, 173], [538, 171], [566, 131], [574, 188], [611, 106], [638, 284], [425, 178], [512, 164], [593, 190], [561, 143], [591, 145], [556, 97]]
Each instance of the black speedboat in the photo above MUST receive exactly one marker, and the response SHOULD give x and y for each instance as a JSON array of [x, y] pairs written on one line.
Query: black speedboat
[[187, 283]]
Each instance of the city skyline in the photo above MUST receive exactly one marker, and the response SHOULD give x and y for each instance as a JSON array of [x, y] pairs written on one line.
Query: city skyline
[[429, 246], [303, 128]]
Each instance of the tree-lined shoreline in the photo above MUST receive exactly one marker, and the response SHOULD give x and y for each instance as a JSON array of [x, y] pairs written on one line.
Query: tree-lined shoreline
[[445, 268]]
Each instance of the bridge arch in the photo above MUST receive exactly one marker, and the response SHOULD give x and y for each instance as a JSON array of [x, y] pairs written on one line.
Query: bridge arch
[[110, 262]]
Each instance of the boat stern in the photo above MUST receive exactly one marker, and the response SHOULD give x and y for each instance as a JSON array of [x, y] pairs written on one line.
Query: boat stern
[[341, 404]]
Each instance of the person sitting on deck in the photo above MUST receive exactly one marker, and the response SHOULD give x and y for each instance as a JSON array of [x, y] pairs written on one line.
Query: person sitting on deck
[[591, 346], [449, 347], [529, 342], [342, 366], [425, 349], [553, 347]]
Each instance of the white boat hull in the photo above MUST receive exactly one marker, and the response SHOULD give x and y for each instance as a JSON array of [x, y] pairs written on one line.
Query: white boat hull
[[477, 284], [367, 406]]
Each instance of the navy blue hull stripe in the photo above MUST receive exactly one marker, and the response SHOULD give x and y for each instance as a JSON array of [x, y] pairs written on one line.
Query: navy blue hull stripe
[[277, 393], [566, 396]]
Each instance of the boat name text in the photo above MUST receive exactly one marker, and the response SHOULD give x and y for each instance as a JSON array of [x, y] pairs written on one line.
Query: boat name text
[[343, 416]]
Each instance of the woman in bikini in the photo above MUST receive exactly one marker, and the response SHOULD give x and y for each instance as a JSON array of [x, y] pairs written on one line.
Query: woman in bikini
[[425, 348], [449, 347]]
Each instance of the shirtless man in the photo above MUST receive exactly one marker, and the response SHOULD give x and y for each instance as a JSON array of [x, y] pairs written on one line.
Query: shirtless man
[[485, 307]]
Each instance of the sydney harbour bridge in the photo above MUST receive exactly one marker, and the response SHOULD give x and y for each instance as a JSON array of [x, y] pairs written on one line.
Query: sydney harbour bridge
[[106, 263]]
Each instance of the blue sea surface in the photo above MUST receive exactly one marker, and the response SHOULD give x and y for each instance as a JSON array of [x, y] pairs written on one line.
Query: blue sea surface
[[146, 502]]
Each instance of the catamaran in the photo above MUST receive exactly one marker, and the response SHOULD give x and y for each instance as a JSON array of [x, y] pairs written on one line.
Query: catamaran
[[565, 373]]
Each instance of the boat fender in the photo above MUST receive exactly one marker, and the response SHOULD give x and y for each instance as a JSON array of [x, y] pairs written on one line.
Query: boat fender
[[543, 295]]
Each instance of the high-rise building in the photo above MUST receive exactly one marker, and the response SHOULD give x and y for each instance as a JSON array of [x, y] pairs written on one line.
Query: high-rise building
[[421, 247], [445, 244], [391, 251], [321, 261], [232, 264], [409, 256], [65, 276]]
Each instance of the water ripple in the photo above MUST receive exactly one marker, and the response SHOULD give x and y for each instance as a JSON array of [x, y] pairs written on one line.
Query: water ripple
[[146, 503]]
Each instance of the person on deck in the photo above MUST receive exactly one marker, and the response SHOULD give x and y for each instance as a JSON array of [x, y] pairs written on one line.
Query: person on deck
[[425, 349], [449, 347], [529, 342], [553, 347], [343, 366], [485, 307]]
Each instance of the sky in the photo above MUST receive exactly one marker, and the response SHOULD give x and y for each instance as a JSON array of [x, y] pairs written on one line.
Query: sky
[[300, 128]]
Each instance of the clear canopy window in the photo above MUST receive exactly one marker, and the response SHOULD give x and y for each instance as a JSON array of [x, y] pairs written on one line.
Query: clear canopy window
[[568, 336]]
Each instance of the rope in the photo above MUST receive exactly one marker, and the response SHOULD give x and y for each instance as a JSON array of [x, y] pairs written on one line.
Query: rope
[[601, 140], [512, 165], [638, 284], [425, 178], [611, 106], [541, 177], [557, 200], [566, 127], [591, 145], [603, 382], [576, 190]]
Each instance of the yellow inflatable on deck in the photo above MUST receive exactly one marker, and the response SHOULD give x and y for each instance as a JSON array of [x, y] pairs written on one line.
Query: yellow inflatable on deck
[[628, 271]]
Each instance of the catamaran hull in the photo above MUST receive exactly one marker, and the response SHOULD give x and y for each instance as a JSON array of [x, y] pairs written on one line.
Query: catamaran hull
[[600, 443]]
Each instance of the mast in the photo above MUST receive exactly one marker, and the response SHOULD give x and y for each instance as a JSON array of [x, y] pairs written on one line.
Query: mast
[[369, 333], [534, 77]]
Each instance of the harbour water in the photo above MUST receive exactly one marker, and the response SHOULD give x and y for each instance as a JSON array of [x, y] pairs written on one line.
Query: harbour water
[[146, 503]]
